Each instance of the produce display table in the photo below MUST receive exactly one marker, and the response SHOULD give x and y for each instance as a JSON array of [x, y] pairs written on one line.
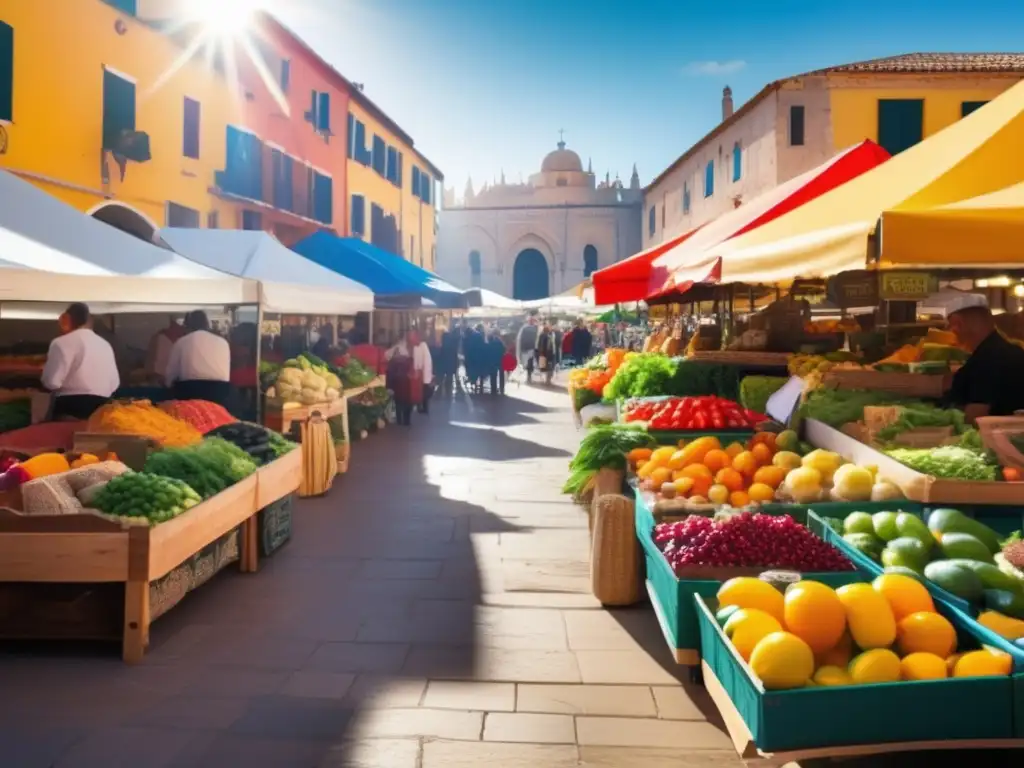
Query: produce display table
[[100, 579], [280, 416]]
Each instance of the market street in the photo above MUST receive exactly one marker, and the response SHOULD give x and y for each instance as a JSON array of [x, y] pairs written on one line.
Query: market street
[[432, 610]]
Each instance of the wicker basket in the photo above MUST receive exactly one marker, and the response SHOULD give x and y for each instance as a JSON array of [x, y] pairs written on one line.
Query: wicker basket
[[615, 552], [341, 452], [606, 481]]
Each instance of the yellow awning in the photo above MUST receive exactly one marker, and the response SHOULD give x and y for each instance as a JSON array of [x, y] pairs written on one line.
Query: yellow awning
[[983, 231], [976, 155]]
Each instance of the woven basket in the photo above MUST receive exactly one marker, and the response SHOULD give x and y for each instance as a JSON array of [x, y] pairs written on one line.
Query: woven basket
[[341, 453], [615, 552], [606, 481]]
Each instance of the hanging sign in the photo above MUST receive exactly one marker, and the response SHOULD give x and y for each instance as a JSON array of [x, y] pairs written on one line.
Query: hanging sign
[[908, 286], [857, 288]]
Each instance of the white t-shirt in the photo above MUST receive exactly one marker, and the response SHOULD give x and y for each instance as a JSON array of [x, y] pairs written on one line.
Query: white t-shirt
[[421, 360], [81, 363], [199, 356]]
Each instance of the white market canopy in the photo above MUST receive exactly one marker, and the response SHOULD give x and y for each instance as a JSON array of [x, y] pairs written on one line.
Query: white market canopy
[[289, 283], [51, 252]]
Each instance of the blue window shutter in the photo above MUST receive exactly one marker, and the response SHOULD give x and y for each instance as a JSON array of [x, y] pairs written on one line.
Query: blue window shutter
[[380, 158], [314, 102], [651, 221], [426, 187], [287, 184], [190, 143], [737, 162], [966, 107], [323, 198], [6, 71], [118, 108], [416, 180], [323, 113], [709, 179], [900, 123], [401, 170], [286, 75], [363, 155], [351, 137], [358, 226]]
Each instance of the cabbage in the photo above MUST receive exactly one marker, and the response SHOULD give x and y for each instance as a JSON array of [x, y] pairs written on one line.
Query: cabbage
[[311, 381], [289, 376]]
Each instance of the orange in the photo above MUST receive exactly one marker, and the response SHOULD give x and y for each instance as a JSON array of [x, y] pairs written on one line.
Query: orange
[[764, 438], [745, 463], [645, 471], [770, 476], [761, 492], [639, 454], [701, 485], [814, 614], [734, 449], [762, 453], [718, 494], [683, 485], [739, 499], [717, 459], [694, 452], [730, 478], [660, 476], [697, 470]]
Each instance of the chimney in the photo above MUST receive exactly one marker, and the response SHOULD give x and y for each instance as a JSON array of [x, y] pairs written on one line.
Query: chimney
[[726, 103]]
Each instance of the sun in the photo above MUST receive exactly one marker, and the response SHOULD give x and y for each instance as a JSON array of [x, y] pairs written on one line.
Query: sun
[[224, 18]]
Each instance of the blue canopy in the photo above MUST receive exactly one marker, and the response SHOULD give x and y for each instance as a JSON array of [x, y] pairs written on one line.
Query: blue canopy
[[393, 280]]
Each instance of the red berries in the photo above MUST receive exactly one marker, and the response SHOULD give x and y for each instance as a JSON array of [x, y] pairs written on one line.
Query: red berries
[[747, 540]]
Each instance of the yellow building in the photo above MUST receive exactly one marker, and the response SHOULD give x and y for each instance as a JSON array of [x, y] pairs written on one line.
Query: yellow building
[[109, 115], [795, 124], [393, 190]]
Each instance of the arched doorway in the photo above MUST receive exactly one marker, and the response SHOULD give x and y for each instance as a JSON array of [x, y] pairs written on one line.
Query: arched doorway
[[126, 219], [530, 276], [589, 261], [474, 269]]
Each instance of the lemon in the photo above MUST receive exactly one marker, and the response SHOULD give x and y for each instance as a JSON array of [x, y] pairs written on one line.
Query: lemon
[[781, 661], [926, 632], [749, 592], [747, 627], [879, 665], [906, 595], [830, 676], [983, 664], [814, 613], [923, 666]]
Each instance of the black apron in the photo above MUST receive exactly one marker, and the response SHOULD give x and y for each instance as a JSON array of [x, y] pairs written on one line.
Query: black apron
[[220, 392], [79, 407]]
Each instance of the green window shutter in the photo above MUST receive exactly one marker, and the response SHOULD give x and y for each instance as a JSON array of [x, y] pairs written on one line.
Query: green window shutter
[[900, 123], [966, 107], [6, 72]]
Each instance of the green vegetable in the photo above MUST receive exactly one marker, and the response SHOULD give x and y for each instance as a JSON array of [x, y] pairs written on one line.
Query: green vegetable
[[837, 407], [645, 375], [605, 446], [208, 468], [951, 462], [694, 378], [756, 390], [583, 397], [151, 497], [923, 415]]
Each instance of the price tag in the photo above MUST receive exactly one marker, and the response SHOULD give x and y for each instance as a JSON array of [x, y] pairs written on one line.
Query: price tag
[[908, 286], [783, 403]]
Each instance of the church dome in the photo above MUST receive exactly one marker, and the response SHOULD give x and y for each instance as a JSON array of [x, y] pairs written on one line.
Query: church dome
[[562, 160]]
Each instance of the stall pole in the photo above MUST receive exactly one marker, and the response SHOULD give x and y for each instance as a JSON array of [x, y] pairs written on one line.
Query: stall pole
[[259, 359]]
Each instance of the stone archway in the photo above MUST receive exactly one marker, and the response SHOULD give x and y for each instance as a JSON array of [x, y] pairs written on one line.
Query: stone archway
[[128, 220], [530, 276]]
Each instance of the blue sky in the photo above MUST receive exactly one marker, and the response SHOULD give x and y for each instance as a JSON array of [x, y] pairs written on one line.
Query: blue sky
[[485, 85]]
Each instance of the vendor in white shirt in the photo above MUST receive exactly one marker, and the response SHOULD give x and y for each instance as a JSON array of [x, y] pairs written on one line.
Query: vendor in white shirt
[[410, 365], [199, 367], [80, 368]]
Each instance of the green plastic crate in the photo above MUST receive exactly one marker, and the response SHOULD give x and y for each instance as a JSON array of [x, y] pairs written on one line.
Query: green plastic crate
[[674, 596], [821, 717]]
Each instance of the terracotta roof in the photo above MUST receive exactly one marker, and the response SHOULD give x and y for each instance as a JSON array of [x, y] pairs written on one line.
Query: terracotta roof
[[921, 63], [908, 63]]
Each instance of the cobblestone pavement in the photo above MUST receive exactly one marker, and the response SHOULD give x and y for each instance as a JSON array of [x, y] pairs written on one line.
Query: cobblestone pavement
[[432, 610]]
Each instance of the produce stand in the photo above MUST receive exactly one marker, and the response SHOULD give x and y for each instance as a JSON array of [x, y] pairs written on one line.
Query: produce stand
[[96, 553], [281, 416]]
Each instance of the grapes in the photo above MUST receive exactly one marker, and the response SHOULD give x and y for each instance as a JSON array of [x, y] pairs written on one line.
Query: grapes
[[747, 540]]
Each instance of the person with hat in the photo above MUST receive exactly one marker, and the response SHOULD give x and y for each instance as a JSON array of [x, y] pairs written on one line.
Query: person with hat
[[991, 382], [199, 367], [80, 367]]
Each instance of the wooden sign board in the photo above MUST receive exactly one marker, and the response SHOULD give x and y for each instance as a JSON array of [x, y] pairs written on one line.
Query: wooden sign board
[[907, 286], [857, 288]]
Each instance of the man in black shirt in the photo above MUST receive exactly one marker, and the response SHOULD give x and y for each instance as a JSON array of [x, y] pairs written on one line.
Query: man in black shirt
[[991, 382]]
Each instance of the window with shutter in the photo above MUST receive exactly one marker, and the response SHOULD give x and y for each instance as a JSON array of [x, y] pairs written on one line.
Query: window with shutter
[[401, 171], [182, 217], [966, 107], [426, 188], [351, 137], [651, 221], [323, 198], [286, 75], [709, 179], [190, 146], [363, 155], [118, 108], [323, 113], [252, 221], [416, 180], [6, 72], [392, 169], [589, 260], [737, 162], [900, 124], [380, 158], [358, 213], [796, 125]]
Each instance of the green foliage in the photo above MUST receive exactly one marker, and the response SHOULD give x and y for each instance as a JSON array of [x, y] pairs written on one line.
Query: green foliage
[[605, 446], [645, 375], [950, 462], [923, 415], [144, 496], [208, 468], [755, 391], [837, 407]]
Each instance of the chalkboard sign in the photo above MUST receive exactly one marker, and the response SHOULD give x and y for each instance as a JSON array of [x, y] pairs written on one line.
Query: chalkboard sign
[[275, 524], [856, 288]]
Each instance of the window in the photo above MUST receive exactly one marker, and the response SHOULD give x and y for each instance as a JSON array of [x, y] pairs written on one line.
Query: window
[[686, 197], [737, 162], [662, 215], [6, 72], [351, 136], [651, 221], [426, 188], [212, 220], [190, 145], [118, 108], [125, 6], [284, 190], [180, 216], [363, 156], [589, 261], [416, 180], [358, 225], [412, 248], [474, 269], [286, 75], [966, 107], [709, 179], [319, 114], [400, 172], [323, 198], [900, 124], [393, 168], [796, 125], [252, 221], [380, 157], [243, 172]]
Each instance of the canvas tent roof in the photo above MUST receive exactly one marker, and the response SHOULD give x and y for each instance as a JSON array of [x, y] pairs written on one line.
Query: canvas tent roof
[[51, 252], [289, 283]]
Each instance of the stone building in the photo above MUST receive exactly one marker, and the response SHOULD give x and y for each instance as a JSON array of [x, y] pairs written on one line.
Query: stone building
[[541, 237], [796, 124]]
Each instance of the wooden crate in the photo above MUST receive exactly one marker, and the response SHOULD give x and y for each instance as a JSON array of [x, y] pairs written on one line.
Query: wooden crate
[[907, 384], [278, 479], [739, 357]]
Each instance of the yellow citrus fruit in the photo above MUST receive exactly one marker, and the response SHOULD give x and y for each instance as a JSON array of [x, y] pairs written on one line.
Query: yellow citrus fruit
[[762, 453], [644, 470], [734, 449], [677, 460], [782, 660], [639, 454], [926, 632], [837, 656], [745, 463], [683, 485], [718, 494], [696, 470], [760, 492], [879, 665], [747, 627], [868, 615], [923, 666], [906, 595], [660, 476], [786, 460], [770, 475], [749, 592], [660, 456], [739, 499], [984, 663], [812, 611], [829, 676], [730, 478]]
